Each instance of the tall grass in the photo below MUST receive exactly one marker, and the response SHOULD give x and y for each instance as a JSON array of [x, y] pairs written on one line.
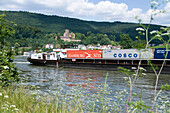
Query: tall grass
[[18, 100], [21, 100], [24, 99]]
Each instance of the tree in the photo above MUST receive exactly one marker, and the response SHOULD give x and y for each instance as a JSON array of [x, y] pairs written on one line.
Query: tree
[[105, 41], [139, 44], [125, 41], [6, 30], [16, 46], [8, 71]]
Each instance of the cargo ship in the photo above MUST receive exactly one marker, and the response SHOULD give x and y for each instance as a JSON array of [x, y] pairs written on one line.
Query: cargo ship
[[104, 59]]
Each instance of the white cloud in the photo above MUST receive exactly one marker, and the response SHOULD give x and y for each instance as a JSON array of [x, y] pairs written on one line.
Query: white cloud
[[83, 9], [164, 18], [50, 3], [20, 1]]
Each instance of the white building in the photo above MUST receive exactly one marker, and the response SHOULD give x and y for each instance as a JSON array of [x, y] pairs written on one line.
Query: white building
[[49, 46]]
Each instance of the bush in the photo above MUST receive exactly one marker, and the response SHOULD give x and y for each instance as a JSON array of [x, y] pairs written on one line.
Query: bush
[[8, 71]]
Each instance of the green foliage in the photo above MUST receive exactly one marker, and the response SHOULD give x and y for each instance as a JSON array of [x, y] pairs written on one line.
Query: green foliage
[[166, 87], [125, 41], [138, 106], [35, 26], [139, 44], [16, 46], [8, 72], [6, 30], [124, 70]]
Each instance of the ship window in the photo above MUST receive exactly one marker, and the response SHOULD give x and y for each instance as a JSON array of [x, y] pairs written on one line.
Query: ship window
[[48, 56], [39, 57], [64, 53]]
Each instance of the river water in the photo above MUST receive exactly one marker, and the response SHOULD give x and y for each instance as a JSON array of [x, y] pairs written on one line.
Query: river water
[[50, 80]]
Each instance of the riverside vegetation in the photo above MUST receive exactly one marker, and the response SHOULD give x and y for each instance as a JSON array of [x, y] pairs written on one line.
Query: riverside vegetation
[[17, 99]]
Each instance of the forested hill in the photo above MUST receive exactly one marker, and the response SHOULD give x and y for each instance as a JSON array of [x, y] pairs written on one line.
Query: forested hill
[[56, 24]]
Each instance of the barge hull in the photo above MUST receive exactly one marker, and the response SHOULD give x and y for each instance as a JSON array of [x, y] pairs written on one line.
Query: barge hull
[[99, 64]]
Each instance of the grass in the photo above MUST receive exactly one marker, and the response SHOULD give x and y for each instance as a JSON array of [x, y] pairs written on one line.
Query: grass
[[24, 99], [20, 100], [17, 100]]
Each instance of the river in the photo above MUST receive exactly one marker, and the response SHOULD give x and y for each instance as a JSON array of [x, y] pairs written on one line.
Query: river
[[50, 80]]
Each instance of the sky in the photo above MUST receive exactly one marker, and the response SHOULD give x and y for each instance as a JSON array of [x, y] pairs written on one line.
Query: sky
[[93, 10]]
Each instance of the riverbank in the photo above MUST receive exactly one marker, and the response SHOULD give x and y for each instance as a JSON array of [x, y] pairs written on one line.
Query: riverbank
[[22, 99], [17, 100]]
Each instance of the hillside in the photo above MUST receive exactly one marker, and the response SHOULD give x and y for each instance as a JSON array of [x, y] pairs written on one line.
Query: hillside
[[56, 24]]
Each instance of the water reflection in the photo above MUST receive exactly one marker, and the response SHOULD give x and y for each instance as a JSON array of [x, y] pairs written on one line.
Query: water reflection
[[84, 79]]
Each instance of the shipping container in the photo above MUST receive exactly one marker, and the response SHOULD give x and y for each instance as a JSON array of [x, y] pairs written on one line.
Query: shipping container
[[84, 54], [160, 53], [147, 53], [121, 54]]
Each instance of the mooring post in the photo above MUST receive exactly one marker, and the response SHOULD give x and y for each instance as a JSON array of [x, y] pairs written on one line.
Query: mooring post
[[57, 64]]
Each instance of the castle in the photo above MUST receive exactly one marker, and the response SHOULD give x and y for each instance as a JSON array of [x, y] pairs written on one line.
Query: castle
[[69, 36]]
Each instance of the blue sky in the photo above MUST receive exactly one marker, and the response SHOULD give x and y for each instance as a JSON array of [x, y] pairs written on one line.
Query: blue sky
[[92, 10]]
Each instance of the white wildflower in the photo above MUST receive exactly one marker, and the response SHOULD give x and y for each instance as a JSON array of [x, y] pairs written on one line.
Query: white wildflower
[[140, 29], [159, 99], [89, 79], [141, 68], [16, 109], [163, 106], [162, 28], [6, 96], [155, 3], [13, 106], [6, 105], [126, 78], [0, 94], [6, 67], [110, 105], [165, 34], [144, 74], [3, 108], [133, 67], [167, 101], [154, 31], [134, 74], [158, 35]]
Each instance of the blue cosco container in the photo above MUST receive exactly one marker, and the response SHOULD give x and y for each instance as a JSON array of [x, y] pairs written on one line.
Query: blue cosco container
[[160, 53]]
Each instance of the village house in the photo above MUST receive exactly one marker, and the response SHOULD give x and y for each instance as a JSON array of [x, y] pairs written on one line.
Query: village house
[[49, 46]]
